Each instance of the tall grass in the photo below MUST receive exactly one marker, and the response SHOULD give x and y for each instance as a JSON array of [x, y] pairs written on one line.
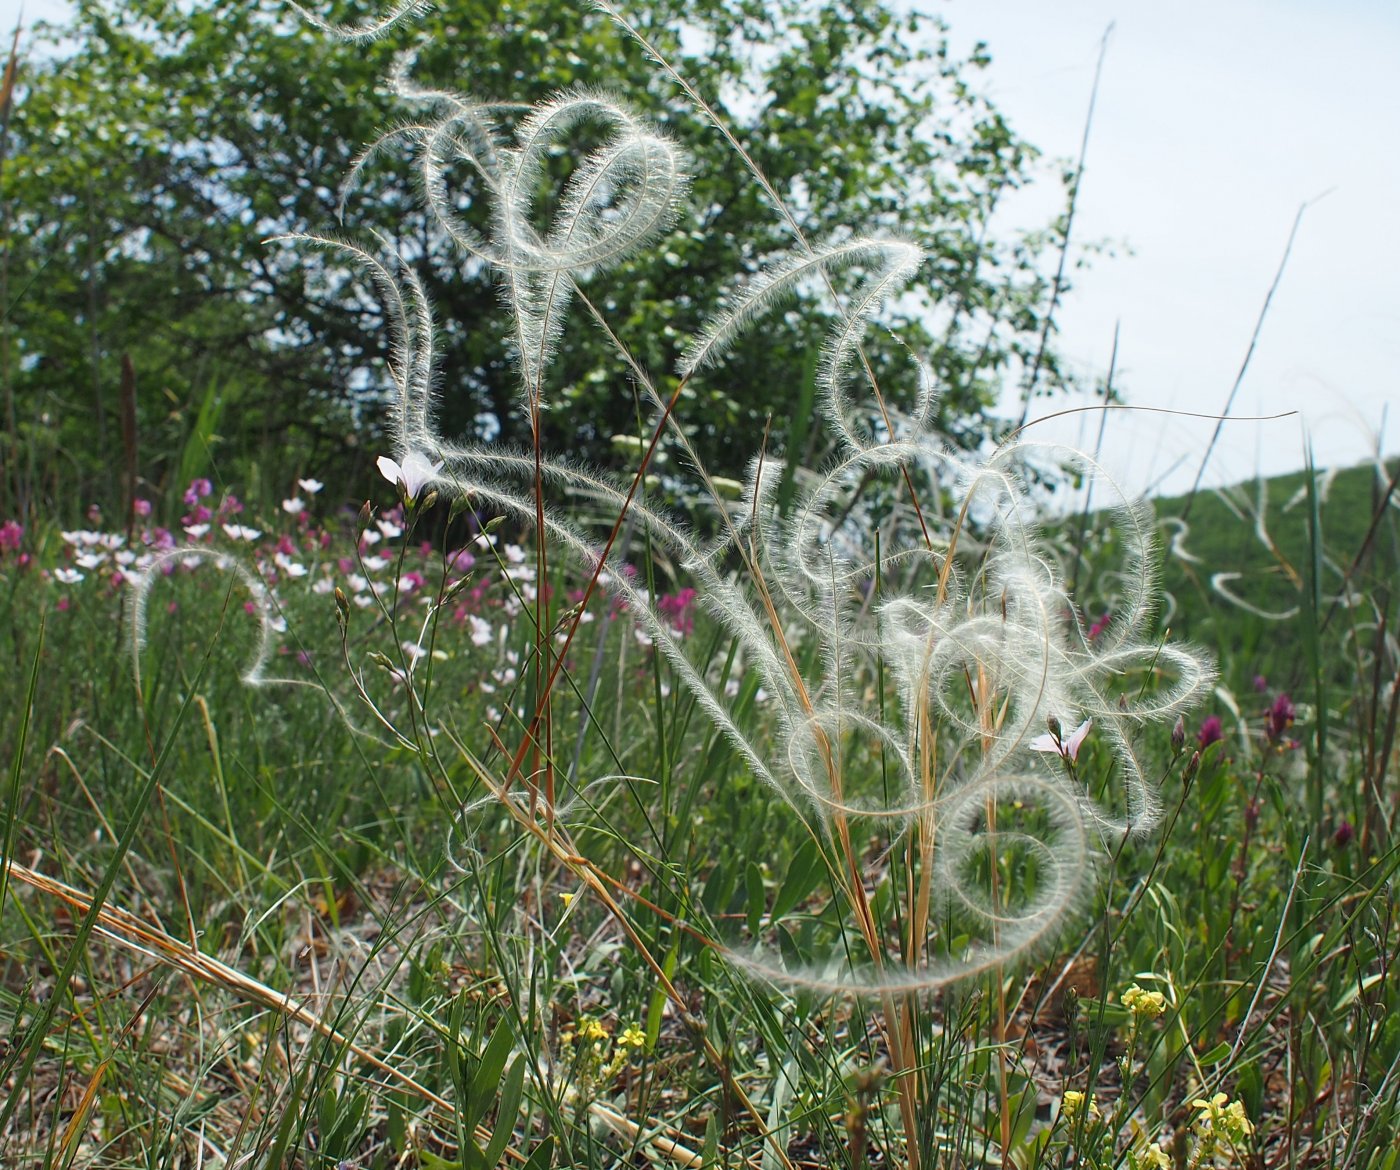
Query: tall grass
[[556, 830]]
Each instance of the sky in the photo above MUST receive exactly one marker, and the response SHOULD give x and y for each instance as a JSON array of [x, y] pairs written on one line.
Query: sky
[[1215, 121]]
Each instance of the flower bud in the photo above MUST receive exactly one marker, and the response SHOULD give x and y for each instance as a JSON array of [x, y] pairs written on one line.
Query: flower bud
[[456, 588], [1071, 1006], [1178, 735]]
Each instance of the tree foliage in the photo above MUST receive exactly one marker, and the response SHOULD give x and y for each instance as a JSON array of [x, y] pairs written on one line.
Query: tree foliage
[[161, 148]]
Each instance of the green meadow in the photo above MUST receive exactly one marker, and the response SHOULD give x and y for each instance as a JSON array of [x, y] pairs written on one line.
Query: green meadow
[[527, 645]]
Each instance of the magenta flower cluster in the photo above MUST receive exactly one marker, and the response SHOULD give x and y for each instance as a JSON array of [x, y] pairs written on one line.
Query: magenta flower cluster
[[370, 566], [1278, 718]]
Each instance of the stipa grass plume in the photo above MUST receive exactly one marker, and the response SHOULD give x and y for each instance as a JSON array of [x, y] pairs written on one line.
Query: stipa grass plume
[[263, 605], [942, 585], [265, 611]]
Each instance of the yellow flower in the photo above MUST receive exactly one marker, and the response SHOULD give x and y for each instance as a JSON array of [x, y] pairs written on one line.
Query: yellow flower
[[1214, 1107], [1153, 1157], [1074, 1101], [1221, 1121], [1145, 1005], [1237, 1120], [632, 1037], [591, 1029]]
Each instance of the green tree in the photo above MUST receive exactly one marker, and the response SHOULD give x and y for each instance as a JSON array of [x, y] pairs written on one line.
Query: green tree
[[162, 146]]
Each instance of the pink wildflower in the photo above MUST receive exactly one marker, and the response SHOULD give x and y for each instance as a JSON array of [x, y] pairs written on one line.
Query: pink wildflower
[[11, 533], [412, 475], [1280, 717], [1052, 743], [1212, 731], [678, 610]]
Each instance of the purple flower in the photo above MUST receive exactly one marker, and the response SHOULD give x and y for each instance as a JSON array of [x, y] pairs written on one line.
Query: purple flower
[[142, 507], [1280, 717], [1343, 834], [1100, 626], [198, 489], [1212, 731], [1261, 684], [11, 533]]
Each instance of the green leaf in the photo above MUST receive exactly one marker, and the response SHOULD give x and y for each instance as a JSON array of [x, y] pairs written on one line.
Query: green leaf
[[804, 872], [488, 1072], [542, 1157], [1349, 996], [657, 1003], [506, 1111], [1216, 1054], [430, 1161], [709, 1152]]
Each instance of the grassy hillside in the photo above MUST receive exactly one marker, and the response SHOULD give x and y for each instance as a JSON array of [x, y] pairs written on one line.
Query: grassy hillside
[[1240, 563]]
